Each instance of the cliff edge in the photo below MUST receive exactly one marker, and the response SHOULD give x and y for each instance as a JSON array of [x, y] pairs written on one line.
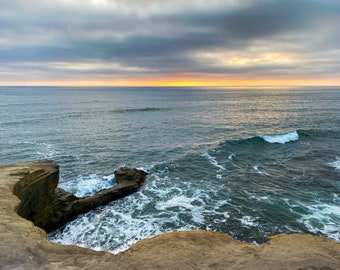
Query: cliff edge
[[25, 189]]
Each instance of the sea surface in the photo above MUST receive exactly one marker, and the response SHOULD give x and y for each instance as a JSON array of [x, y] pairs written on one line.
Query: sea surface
[[248, 162]]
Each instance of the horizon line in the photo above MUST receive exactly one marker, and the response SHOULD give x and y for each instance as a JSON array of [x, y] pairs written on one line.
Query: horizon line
[[168, 86]]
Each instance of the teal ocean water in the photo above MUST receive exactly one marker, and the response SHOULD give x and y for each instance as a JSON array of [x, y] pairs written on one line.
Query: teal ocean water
[[248, 162]]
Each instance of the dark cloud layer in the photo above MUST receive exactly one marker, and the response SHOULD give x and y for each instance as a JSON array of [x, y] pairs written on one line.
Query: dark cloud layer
[[52, 40]]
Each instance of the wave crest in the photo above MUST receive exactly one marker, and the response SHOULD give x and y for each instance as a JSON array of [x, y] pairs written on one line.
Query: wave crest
[[281, 138]]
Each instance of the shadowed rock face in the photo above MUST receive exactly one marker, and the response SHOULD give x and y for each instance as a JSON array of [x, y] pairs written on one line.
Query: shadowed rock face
[[25, 246]]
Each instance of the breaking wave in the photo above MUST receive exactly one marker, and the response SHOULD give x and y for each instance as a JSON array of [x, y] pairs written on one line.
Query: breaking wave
[[282, 138]]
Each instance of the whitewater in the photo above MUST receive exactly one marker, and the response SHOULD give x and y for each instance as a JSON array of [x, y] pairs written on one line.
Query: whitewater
[[248, 162]]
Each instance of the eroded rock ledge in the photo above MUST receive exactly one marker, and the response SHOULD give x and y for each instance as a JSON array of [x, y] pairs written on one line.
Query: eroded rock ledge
[[50, 207], [25, 246]]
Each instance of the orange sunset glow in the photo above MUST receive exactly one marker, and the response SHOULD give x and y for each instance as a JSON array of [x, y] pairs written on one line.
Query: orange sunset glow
[[181, 82]]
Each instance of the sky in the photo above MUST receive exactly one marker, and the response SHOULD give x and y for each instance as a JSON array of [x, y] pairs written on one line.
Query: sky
[[175, 42]]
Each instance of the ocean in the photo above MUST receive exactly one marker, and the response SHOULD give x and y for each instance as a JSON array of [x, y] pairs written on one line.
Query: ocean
[[247, 162]]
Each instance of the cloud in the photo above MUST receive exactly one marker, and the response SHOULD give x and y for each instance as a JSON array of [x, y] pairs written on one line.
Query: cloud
[[102, 38]]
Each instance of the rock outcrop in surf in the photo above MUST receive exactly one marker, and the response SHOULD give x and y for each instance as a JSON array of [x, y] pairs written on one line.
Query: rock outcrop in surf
[[50, 207]]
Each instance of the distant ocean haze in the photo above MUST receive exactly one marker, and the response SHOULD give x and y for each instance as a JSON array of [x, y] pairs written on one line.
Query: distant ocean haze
[[248, 162]]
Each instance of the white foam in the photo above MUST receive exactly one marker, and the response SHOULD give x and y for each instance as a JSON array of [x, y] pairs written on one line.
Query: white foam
[[335, 164], [177, 201], [109, 177], [282, 138], [185, 204], [256, 197], [257, 170], [231, 156], [88, 185], [213, 161], [248, 221], [324, 218], [198, 217]]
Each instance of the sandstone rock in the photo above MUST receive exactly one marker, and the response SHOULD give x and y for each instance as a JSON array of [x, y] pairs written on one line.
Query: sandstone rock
[[128, 174]]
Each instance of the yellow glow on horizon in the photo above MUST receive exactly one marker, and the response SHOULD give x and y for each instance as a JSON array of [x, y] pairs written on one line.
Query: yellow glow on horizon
[[180, 81]]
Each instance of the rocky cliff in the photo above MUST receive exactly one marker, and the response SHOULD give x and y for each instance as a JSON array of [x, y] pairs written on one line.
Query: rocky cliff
[[28, 191]]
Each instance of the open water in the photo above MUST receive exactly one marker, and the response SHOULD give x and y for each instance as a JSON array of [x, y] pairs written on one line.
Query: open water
[[248, 162]]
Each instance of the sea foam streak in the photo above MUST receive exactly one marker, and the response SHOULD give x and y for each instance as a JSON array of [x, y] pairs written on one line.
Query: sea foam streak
[[213, 161], [335, 164], [281, 138]]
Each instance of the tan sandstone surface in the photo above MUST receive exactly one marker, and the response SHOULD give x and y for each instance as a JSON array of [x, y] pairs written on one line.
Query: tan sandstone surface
[[25, 246]]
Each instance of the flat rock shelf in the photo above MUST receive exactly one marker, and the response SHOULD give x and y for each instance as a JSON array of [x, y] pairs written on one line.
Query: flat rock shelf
[[29, 197]]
